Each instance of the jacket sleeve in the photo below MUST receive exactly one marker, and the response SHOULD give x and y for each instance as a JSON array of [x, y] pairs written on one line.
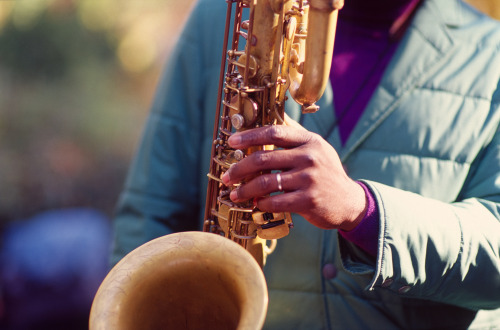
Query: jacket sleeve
[[445, 252], [161, 191]]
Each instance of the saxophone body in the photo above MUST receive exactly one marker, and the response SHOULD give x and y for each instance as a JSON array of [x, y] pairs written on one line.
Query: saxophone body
[[213, 279]]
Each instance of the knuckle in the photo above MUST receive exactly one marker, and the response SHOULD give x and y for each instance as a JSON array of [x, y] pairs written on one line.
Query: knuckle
[[316, 202], [264, 182], [306, 177], [309, 159], [276, 133], [261, 158], [314, 138], [311, 199]]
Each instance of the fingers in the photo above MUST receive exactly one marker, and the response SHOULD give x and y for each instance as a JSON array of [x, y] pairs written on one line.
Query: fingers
[[287, 137], [262, 161], [277, 203], [311, 176], [260, 186], [281, 136], [257, 162]]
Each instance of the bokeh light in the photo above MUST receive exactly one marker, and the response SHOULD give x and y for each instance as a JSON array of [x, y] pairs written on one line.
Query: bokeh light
[[77, 78], [76, 81]]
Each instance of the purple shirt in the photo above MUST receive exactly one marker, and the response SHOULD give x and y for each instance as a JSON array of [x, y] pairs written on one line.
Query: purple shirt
[[368, 33]]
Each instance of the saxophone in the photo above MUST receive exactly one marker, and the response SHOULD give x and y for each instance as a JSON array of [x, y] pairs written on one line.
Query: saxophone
[[253, 92], [213, 279]]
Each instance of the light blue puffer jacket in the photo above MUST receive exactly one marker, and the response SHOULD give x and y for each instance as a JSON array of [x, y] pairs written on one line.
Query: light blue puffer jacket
[[427, 146]]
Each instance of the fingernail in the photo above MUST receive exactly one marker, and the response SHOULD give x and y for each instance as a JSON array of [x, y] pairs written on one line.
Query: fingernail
[[234, 140], [234, 195], [225, 178]]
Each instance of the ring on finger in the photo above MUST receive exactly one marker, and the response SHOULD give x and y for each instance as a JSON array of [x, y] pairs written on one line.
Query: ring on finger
[[278, 178]]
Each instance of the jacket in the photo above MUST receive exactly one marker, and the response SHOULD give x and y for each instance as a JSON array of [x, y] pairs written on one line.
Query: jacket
[[427, 146]]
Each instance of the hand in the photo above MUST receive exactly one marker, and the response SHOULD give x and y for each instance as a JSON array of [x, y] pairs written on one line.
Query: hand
[[313, 180]]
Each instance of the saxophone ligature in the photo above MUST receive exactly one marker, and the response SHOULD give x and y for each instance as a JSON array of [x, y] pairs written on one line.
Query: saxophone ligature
[[213, 279]]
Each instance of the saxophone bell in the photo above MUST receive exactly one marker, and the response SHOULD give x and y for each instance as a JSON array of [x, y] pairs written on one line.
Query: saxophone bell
[[190, 280]]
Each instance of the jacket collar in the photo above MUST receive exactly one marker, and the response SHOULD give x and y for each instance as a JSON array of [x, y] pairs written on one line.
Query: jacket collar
[[424, 45]]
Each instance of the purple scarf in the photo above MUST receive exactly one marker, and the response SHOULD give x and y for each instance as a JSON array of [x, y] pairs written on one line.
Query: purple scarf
[[367, 35]]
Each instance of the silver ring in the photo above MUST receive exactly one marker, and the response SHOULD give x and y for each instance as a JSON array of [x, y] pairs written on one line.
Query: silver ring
[[278, 178]]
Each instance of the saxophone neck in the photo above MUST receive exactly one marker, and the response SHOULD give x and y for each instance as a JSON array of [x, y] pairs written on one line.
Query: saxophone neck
[[312, 54]]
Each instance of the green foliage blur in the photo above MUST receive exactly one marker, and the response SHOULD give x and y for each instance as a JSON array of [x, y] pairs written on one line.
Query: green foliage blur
[[51, 46], [76, 81]]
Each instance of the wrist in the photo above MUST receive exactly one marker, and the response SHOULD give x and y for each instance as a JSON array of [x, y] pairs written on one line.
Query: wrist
[[365, 234], [359, 204]]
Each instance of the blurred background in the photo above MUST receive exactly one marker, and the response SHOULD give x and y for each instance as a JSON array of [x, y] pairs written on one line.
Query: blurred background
[[76, 81]]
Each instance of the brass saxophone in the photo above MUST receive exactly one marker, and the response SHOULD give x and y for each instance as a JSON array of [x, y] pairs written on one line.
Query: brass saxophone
[[278, 56], [213, 279]]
